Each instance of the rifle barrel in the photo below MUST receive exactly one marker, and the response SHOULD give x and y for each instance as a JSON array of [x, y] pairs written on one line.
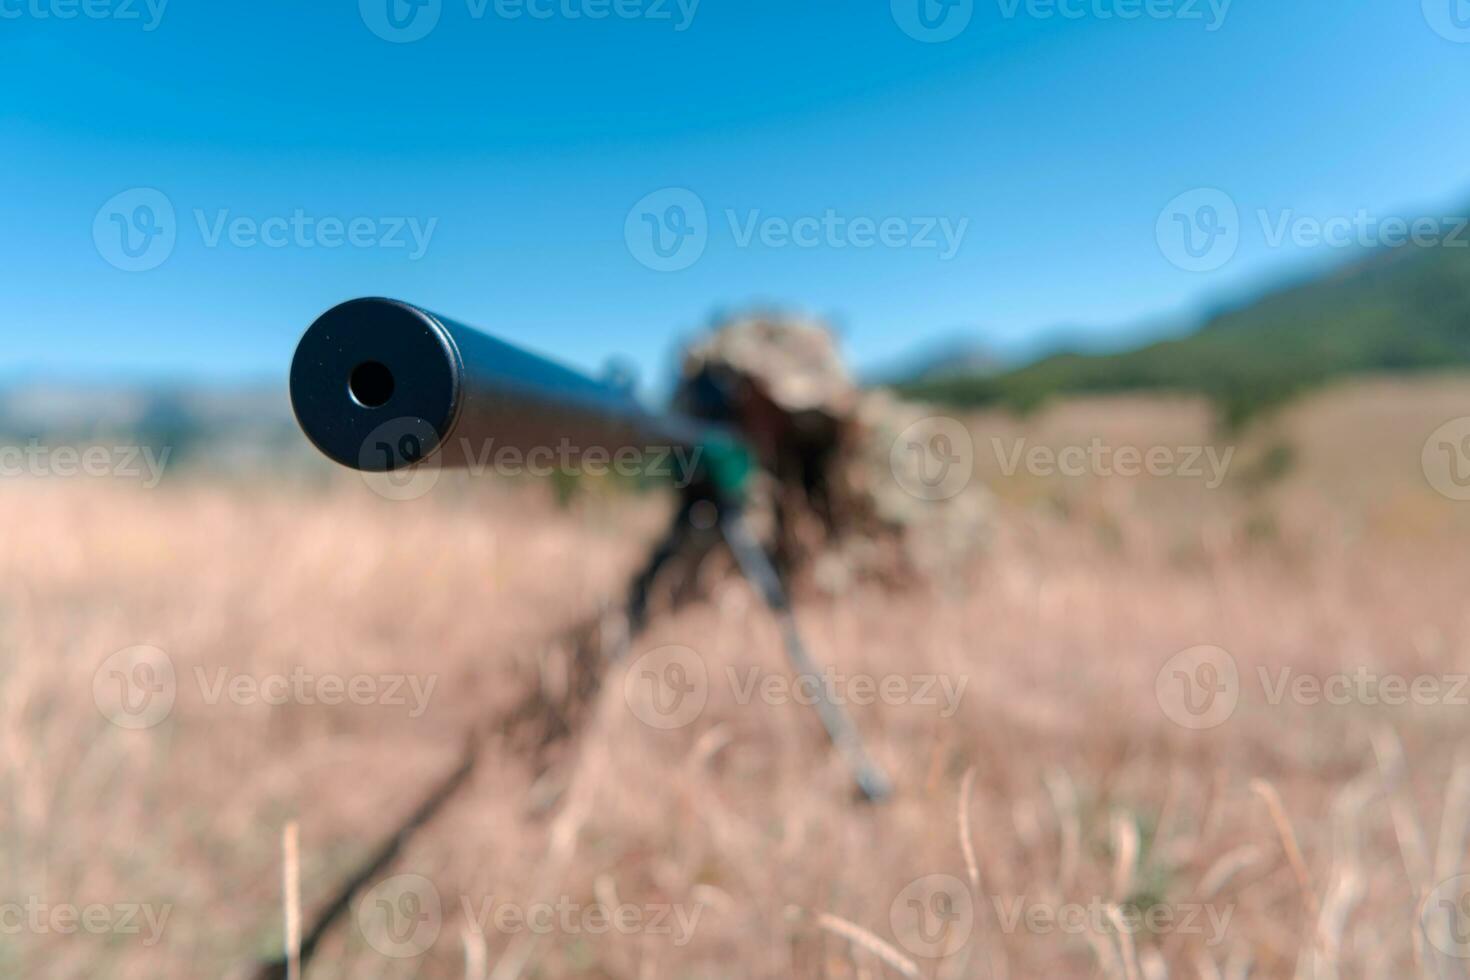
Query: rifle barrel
[[380, 385]]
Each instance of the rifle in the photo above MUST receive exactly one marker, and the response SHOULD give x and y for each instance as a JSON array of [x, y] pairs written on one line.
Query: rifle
[[382, 386]]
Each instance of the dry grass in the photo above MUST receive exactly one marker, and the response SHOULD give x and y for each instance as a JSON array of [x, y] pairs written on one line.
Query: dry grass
[[1083, 791]]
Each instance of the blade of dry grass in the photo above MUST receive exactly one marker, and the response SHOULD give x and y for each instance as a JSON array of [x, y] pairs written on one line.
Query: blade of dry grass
[[1125, 943], [290, 846], [1346, 881], [1272, 799], [1449, 855], [967, 844], [475, 953], [866, 941], [1064, 801], [1412, 847], [1125, 854], [1227, 867]]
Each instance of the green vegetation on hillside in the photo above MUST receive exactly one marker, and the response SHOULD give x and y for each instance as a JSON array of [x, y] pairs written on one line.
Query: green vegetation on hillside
[[1401, 310]]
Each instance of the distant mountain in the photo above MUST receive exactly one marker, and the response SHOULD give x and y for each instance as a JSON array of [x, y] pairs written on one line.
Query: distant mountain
[[1394, 310], [957, 356]]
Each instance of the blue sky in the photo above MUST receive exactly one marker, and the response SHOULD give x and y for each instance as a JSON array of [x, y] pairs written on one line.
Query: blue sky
[[1049, 136]]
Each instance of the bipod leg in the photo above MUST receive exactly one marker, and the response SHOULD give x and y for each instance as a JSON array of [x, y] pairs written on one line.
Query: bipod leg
[[871, 781]]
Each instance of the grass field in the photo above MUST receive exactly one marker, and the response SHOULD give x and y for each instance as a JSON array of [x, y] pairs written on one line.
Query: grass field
[[1066, 805]]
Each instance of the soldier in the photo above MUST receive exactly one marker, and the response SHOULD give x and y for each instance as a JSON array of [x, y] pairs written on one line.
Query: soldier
[[832, 505]]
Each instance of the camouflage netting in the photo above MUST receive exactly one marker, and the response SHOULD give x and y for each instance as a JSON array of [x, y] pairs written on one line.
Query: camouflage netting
[[832, 503]]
